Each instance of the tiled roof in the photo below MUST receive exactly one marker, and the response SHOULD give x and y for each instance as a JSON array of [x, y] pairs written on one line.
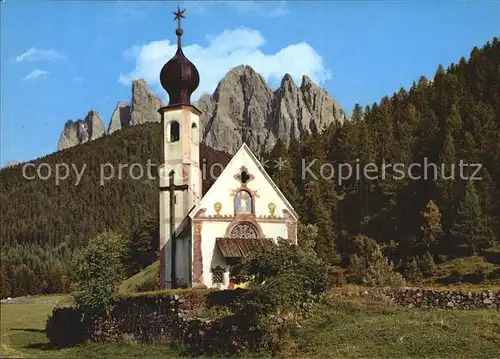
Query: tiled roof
[[240, 247]]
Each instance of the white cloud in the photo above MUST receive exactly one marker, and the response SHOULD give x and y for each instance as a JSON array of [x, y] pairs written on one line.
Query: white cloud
[[36, 74], [34, 54], [225, 51]]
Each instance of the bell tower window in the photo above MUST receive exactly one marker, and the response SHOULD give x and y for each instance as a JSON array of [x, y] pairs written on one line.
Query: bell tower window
[[174, 132], [194, 133]]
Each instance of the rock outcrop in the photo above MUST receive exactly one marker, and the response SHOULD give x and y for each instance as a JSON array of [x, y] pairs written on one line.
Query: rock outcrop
[[81, 131], [243, 104], [243, 98], [120, 118], [143, 108], [145, 105]]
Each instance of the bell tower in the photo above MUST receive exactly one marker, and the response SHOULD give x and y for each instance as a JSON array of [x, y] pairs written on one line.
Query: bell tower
[[181, 153]]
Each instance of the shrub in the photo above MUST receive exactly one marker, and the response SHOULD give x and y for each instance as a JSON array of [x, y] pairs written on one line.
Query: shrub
[[380, 271], [224, 298], [412, 270], [66, 327], [284, 278], [338, 277], [356, 269], [427, 265], [363, 245], [98, 272], [373, 269]]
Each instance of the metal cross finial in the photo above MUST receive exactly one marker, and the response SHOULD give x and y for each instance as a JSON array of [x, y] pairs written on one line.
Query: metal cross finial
[[179, 14]]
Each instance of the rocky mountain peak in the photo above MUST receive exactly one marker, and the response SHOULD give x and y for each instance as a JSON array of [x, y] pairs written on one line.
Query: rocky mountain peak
[[244, 97], [307, 82], [81, 131], [120, 118], [287, 86], [243, 79], [145, 105], [143, 108], [287, 79]]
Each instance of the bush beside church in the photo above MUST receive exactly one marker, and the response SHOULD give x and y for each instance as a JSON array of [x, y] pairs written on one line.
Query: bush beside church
[[284, 282]]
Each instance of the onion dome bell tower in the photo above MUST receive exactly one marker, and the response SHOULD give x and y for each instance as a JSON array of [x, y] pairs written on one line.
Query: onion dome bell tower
[[180, 123], [179, 77]]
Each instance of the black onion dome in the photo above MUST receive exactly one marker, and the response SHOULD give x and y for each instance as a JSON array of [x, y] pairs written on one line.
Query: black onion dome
[[180, 78]]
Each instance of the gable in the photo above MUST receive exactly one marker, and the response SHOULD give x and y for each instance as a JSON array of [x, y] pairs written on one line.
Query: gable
[[224, 188]]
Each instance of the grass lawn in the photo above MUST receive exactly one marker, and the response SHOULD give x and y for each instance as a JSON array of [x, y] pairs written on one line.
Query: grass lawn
[[22, 327], [147, 274], [361, 327], [346, 325]]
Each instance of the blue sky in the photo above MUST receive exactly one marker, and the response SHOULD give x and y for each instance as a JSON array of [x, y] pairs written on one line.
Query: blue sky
[[61, 59]]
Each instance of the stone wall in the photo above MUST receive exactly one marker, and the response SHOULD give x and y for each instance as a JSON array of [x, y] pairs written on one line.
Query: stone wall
[[171, 319], [429, 298], [147, 318]]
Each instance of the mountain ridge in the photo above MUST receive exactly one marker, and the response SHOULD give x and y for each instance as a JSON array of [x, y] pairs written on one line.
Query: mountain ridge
[[242, 97]]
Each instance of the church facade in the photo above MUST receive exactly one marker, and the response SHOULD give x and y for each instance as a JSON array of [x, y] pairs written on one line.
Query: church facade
[[242, 211]]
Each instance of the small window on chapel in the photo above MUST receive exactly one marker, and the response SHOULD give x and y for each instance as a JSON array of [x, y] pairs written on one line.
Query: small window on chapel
[[217, 275], [244, 177], [174, 131]]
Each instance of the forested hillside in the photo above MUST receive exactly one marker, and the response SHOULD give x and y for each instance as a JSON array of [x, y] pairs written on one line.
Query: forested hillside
[[455, 116], [43, 223]]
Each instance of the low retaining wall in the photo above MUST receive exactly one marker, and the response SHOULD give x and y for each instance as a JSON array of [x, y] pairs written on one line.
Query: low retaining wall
[[143, 319], [430, 298], [169, 320]]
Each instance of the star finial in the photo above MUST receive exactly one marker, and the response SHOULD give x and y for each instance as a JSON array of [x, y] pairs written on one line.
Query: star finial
[[179, 14]]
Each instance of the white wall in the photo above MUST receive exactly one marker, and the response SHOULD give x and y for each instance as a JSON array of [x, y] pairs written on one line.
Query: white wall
[[209, 250], [221, 190]]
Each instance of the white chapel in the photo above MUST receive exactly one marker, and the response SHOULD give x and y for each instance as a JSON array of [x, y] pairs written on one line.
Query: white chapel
[[243, 209]]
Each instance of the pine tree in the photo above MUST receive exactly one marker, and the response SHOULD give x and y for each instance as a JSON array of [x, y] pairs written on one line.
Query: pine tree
[[469, 227], [448, 171], [357, 113], [431, 225], [453, 124]]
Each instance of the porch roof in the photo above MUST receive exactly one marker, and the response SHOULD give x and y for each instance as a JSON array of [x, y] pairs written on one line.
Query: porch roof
[[240, 247]]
